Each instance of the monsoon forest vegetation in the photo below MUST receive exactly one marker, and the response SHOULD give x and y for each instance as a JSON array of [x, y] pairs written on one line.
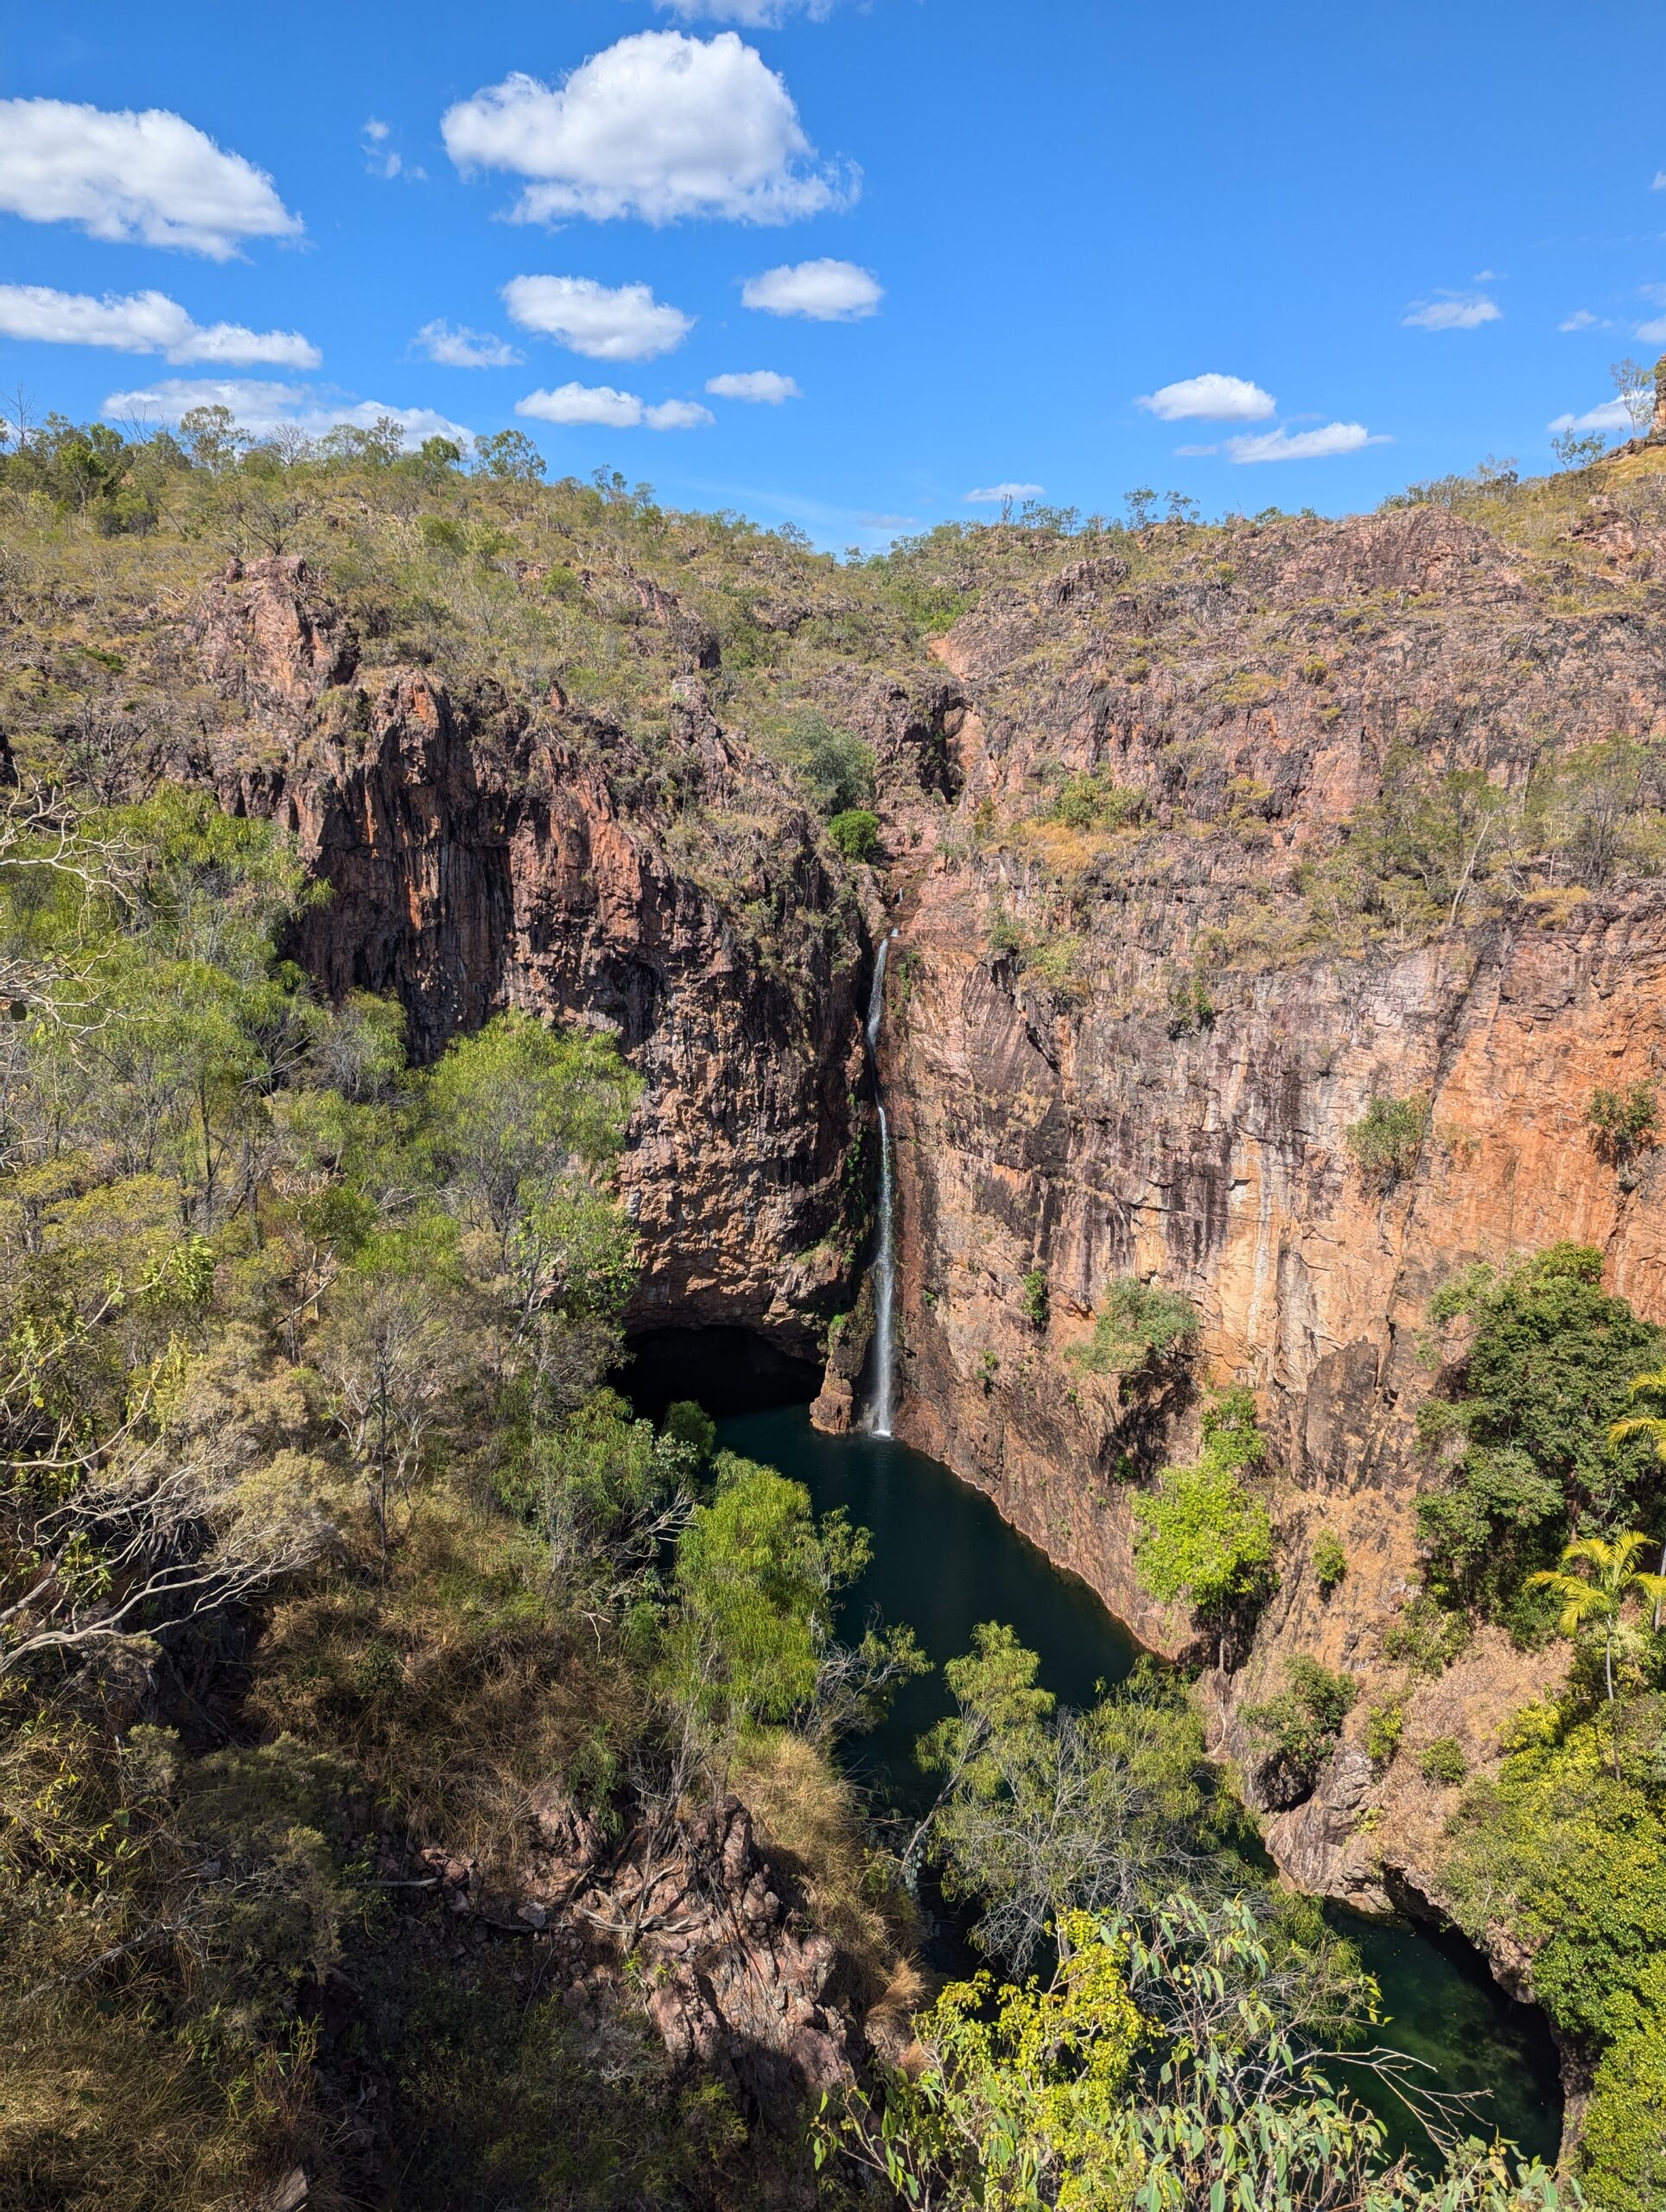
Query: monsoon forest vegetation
[[388, 1701]]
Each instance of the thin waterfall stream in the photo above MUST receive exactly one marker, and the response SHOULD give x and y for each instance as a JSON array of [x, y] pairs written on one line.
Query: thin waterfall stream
[[885, 1249]]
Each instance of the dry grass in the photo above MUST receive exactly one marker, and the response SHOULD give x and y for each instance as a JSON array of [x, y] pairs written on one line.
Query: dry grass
[[808, 1815]]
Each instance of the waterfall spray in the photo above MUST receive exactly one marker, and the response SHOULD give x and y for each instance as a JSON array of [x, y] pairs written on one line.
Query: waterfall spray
[[885, 1262]]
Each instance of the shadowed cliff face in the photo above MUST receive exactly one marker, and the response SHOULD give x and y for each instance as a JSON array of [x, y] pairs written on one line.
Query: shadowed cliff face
[[1137, 1050], [478, 857]]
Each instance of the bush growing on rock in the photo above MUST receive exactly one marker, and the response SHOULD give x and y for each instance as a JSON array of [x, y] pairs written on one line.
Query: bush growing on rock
[[1137, 1325], [1386, 1140], [1299, 1725], [855, 832], [1201, 1535]]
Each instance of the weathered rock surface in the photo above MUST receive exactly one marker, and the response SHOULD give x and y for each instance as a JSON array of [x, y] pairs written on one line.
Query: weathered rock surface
[[1094, 1124], [736, 1980], [480, 858]]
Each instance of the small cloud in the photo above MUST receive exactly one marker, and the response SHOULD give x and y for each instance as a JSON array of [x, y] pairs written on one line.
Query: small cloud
[[677, 415], [465, 349], [604, 322], [263, 408], [823, 291], [1581, 318], [1304, 445], [1453, 311], [149, 179], [761, 387], [1659, 184], [1612, 414], [996, 495], [658, 126], [599, 406], [1195, 453], [1488, 276], [380, 158], [144, 323], [1211, 397], [756, 15], [1653, 333]]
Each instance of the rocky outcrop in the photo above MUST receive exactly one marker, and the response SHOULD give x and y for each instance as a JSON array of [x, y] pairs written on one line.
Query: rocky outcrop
[[477, 856], [1140, 1051], [735, 1980]]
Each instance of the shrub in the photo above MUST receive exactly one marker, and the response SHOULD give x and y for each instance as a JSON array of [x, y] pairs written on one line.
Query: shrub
[[855, 832], [1301, 1723], [834, 766], [1622, 1122], [1201, 1535], [1386, 1138], [1521, 1444], [1443, 1761], [691, 1426], [1622, 2142], [1330, 1561], [1190, 1007], [1137, 1326], [1034, 1297], [1093, 800], [1426, 1637], [1385, 1725]]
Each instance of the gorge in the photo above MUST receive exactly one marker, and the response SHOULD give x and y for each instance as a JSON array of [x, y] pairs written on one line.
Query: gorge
[[1041, 933]]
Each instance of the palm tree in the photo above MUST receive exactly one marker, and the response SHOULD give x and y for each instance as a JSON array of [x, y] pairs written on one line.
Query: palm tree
[[1599, 1596], [1650, 1387]]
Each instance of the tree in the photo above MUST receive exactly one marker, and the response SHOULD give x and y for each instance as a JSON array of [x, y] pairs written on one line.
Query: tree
[[1042, 1815], [1201, 1535], [855, 832], [1634, 382], [1596, 1595], [1171, 2064], [1138, 1325], [1524, 1435], [758, 1580], [1650, 1388], [511, 456]]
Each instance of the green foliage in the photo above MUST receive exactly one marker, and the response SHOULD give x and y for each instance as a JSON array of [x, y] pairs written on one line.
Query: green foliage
[[1519, 1441], [692, 1428], [1172, 2064], [1137, 1326], [1330, 1561], [1385, 1724], [1092, 799], [1034, 1297], [1301, 1724], [1443, 1761], [1624, 1122], [1043, 1814], [1387, 1138], [855, 832], [834, 766], [1425, 1636], [1202, 1535], [1622, 2141]]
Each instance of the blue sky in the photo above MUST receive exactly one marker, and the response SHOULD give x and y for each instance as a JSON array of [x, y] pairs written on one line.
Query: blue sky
[[1064, 209]]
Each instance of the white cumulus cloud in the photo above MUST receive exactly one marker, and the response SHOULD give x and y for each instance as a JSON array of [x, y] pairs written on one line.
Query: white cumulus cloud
[[1211, 398], [465, 349], [658, 126], [996, 495], [601, 407], [677, 415], [1453, 311], [1581, 318], [608, 323], [144, 323], [148, 178], [1304, 445], [263, 407], [762, 387], [1653, 333], [1612, 414], [823, 291]]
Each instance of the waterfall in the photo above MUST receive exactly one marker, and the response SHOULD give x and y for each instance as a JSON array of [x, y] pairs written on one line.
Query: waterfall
[[884, 1257]]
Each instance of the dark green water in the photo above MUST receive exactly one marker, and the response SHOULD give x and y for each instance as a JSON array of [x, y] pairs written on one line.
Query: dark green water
[[944, 1560]]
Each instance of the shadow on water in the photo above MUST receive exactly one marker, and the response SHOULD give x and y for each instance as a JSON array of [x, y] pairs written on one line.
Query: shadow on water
[[944, 1560]]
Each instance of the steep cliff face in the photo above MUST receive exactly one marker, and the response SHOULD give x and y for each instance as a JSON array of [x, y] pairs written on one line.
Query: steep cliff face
[[477, 856], [1133, 1045]]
